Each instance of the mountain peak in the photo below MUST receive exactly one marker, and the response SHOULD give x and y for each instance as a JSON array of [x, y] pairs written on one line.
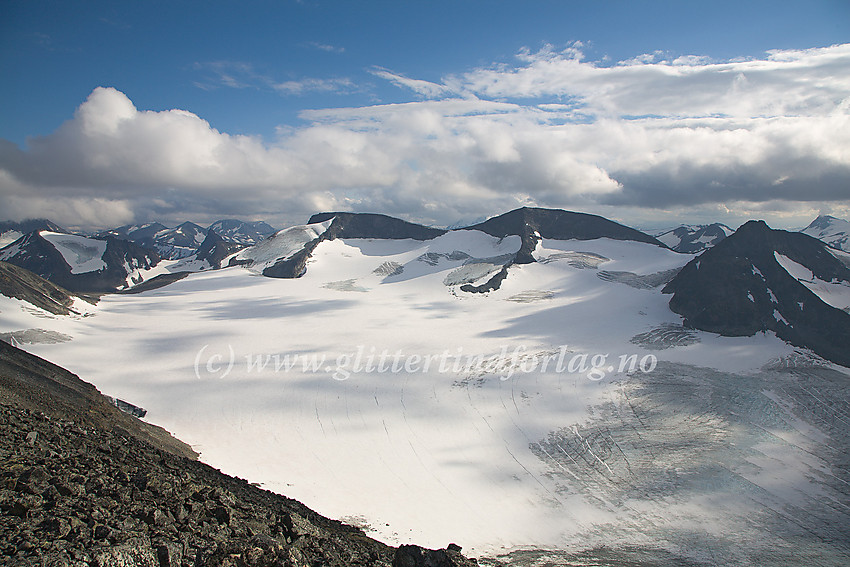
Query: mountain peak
[[832, 230], [532, 223], [373, 225], [749, 283]]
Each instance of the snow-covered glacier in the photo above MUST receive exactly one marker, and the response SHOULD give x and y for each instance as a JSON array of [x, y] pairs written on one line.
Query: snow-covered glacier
[[566, 416]]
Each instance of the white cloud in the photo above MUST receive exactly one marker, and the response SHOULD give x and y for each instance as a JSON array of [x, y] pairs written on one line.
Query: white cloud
[[424, 88], [326, 47], [314, 85], [241, 75], [680, 135]]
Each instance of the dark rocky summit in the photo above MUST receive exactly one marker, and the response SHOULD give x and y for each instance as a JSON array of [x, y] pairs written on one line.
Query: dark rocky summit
[[369, 225], [84, 484], [29, 226], [530, 224], [738, 288]]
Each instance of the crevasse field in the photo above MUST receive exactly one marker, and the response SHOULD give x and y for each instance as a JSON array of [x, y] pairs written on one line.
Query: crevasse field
[[566, 411]]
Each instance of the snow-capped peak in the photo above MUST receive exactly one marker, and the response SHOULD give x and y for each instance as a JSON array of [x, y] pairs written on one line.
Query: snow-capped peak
[[834, 231]]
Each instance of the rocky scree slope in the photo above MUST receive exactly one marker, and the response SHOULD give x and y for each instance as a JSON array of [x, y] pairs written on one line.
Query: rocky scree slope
[[83, 484], [22, 284]]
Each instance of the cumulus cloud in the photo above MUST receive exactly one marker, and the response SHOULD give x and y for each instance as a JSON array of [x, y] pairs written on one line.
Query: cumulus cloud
[[629, 138]]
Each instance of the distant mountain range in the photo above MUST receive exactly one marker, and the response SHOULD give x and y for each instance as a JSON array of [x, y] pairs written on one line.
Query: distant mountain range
[[693, 239], [122, 257], [11, 231], [78, 263], [184, 240], [753, 280]]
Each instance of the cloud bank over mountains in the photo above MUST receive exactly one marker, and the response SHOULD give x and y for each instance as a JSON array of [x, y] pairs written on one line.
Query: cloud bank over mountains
[[633, 139]]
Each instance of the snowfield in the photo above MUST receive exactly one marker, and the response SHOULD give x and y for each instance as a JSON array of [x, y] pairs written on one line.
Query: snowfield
[[834, 293], [81, 253], [568, 410]]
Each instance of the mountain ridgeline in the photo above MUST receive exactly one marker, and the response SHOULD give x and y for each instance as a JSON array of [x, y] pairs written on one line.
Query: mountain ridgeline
[[532, 224], [694, 239], [751, 281]]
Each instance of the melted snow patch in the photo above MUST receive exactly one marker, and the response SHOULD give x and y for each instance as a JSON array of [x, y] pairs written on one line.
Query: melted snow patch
[[779, 318], [82, 254]]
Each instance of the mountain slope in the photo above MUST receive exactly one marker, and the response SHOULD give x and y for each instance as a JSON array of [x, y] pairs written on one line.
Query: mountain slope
[[740, 288], [179, 242], [142, 234], [694, 239], [22, 284], [78, 263], [214, 249], [285, 253], [170, 243], [241, 232], [833, 231], [531, 224], [567, 417]]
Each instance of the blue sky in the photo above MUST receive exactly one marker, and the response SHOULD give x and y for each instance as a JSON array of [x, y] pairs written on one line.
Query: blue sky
[[435, 111]]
